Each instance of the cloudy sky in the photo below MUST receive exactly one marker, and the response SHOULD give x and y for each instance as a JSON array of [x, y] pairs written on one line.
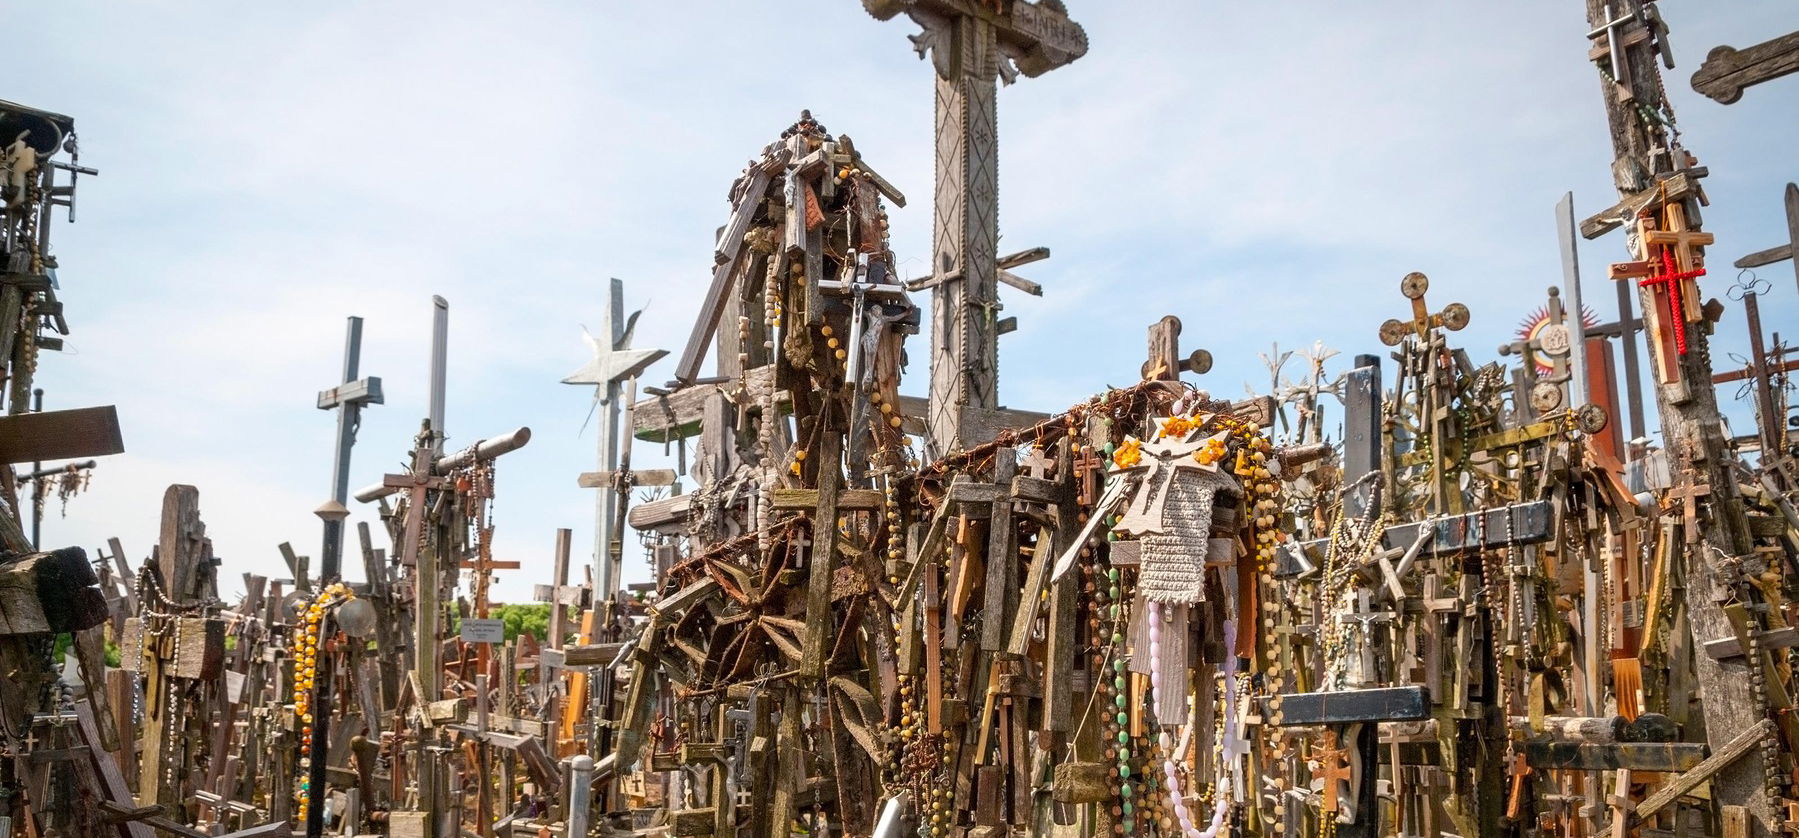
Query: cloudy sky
[[1265, 171]]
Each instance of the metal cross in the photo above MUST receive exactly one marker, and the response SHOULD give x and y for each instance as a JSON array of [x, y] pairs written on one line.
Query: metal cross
[[614, 362]]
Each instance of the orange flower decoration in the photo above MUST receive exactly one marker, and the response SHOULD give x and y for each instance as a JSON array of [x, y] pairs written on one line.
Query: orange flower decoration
[[1210, 453], [1174, 427], [1129, 453]]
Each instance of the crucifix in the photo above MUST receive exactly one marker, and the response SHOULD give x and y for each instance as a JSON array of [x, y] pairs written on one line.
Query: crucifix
[[973, 45], [1727, 70], [1780, 253], [613, 363]]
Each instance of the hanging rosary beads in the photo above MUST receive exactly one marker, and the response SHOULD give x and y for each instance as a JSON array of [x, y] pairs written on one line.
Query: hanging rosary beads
[[306, 667]]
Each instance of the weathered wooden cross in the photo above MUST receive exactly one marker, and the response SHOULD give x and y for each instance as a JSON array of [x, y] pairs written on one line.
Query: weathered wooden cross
[[1784, 252], [972, 45], [1727, 70]]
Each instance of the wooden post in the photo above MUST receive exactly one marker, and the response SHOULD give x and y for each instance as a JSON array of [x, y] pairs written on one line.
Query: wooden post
[[182, 550], [971, 47], [1645, 155]]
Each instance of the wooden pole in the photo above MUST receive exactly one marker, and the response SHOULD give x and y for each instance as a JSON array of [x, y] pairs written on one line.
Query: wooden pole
[[1697, 454]]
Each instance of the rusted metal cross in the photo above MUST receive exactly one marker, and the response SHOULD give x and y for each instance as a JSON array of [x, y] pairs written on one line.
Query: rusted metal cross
[[1453, 317]]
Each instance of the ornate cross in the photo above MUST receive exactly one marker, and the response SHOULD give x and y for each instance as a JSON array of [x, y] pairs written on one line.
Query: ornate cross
[[1453, 317], [1335, 771], [972, 45], [613, 363], [1161, 462], [1087, 467], [1727, 70]]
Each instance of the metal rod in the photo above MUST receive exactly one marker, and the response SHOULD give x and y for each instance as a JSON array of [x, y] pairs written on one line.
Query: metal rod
[[481, 451], [440, 351], [37, 486], [1577, 322]]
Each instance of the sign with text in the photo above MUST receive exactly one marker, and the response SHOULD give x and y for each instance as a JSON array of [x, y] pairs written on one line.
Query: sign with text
[[477, 630]]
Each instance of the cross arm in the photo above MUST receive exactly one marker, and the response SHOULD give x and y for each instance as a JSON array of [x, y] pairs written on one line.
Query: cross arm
[[359, 392]]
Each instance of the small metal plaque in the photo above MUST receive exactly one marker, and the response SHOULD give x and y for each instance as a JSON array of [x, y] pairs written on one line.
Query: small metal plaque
[[477, 630]]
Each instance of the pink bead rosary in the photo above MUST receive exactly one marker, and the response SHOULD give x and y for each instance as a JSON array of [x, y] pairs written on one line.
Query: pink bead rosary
[[1169, 766]]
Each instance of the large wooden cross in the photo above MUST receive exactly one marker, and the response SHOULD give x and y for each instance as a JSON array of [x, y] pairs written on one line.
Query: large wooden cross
[[973, 44], [1727, 70]]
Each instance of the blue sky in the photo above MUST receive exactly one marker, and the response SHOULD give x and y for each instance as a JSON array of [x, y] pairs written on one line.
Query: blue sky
[[1267, 172]]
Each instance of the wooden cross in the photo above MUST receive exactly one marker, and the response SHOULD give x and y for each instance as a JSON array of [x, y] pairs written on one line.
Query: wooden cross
[[1727, 70], [1161, 462], [1763, 366], [1781, 253], [1087, 468], [1165, 362], [1683, 242], [1688, 493], [1521, 772], [1334, 770], [972, 45], [1038, 464], [1453, 317]]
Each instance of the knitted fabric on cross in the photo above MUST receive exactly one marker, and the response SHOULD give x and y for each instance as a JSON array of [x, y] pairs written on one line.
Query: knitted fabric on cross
[[1174, 562]]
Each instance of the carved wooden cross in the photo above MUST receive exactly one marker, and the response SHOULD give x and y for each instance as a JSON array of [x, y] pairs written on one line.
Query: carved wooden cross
[[1727, 70], [972, 45], [1161, 462], [1087, 468], [1334, 770]]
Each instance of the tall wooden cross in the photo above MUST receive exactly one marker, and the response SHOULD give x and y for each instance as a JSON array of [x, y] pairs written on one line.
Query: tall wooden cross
[[973, 44], [1645, 156], [614, 362], [1784, 252]]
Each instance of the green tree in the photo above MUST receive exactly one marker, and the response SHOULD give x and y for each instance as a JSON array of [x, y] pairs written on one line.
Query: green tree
[[531, 618]]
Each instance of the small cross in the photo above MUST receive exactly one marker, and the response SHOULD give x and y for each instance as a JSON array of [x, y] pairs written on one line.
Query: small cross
[[1334, 770], [1677, 237], [1615, 49], [1521, 771], [1037, 464], [1087, 467], [1453, 317], [1688, 494]]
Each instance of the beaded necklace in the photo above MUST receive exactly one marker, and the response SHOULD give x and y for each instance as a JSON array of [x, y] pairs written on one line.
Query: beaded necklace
[[306, 667]]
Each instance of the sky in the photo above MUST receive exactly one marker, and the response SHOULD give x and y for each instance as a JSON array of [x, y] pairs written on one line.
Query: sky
[[1266, 172]]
